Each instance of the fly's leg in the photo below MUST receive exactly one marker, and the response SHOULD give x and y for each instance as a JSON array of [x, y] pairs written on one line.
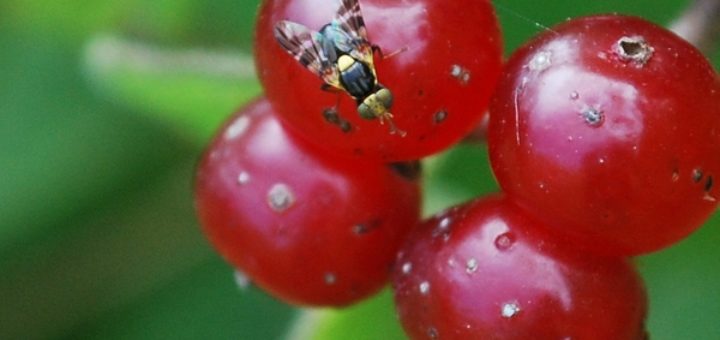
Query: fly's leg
[[394, 130], [378, 50]]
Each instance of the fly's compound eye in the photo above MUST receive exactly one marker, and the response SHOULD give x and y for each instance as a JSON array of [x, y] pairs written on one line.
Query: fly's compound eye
[[385, 97], [365, 111], [376, 105]]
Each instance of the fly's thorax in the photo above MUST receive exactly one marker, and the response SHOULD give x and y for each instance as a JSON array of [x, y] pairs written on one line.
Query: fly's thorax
[[376, 104], [345, 62], [356, 77], [339, 39]]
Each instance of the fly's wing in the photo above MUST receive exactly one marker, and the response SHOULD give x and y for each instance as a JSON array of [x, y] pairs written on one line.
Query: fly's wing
[[350, 20], [306, 47]]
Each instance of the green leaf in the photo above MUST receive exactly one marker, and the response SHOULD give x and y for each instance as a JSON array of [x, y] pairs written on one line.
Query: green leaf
[[64, 153], [682, 284], [369, 320], [191, 91], [455, 176], [207, 23], [200, 303], [522, 19]]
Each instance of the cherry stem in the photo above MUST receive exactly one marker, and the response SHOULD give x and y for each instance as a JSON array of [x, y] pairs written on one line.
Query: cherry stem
[[699, 24]]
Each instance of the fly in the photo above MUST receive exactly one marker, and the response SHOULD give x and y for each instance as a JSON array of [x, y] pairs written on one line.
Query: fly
[[342, 56]]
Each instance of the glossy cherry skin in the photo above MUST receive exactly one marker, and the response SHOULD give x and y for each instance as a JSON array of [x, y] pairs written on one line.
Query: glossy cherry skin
[[484, 270], [308, 227], [441, 84], [608, 129]]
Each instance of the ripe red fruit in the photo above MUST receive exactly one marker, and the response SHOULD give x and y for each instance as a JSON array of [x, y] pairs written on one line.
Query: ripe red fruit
[[441, 84], [308, 227], [608, 129], [483, 270]]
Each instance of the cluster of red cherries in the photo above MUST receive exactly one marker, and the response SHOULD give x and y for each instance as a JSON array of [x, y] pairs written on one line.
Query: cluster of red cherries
[[603, 133]]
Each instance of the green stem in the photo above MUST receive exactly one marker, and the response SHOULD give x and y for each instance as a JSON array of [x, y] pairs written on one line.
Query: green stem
[[107, 53]]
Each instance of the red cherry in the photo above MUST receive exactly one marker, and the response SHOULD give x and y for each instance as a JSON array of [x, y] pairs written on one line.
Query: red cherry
[[608, 129], [441, 83], [483, 270], [308, 227]]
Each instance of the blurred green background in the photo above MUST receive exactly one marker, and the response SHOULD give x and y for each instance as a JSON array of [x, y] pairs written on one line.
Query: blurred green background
[[105, 107]]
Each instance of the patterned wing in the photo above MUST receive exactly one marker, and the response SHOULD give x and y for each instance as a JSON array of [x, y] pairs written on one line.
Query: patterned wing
[[349, 19], [306, 47]]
